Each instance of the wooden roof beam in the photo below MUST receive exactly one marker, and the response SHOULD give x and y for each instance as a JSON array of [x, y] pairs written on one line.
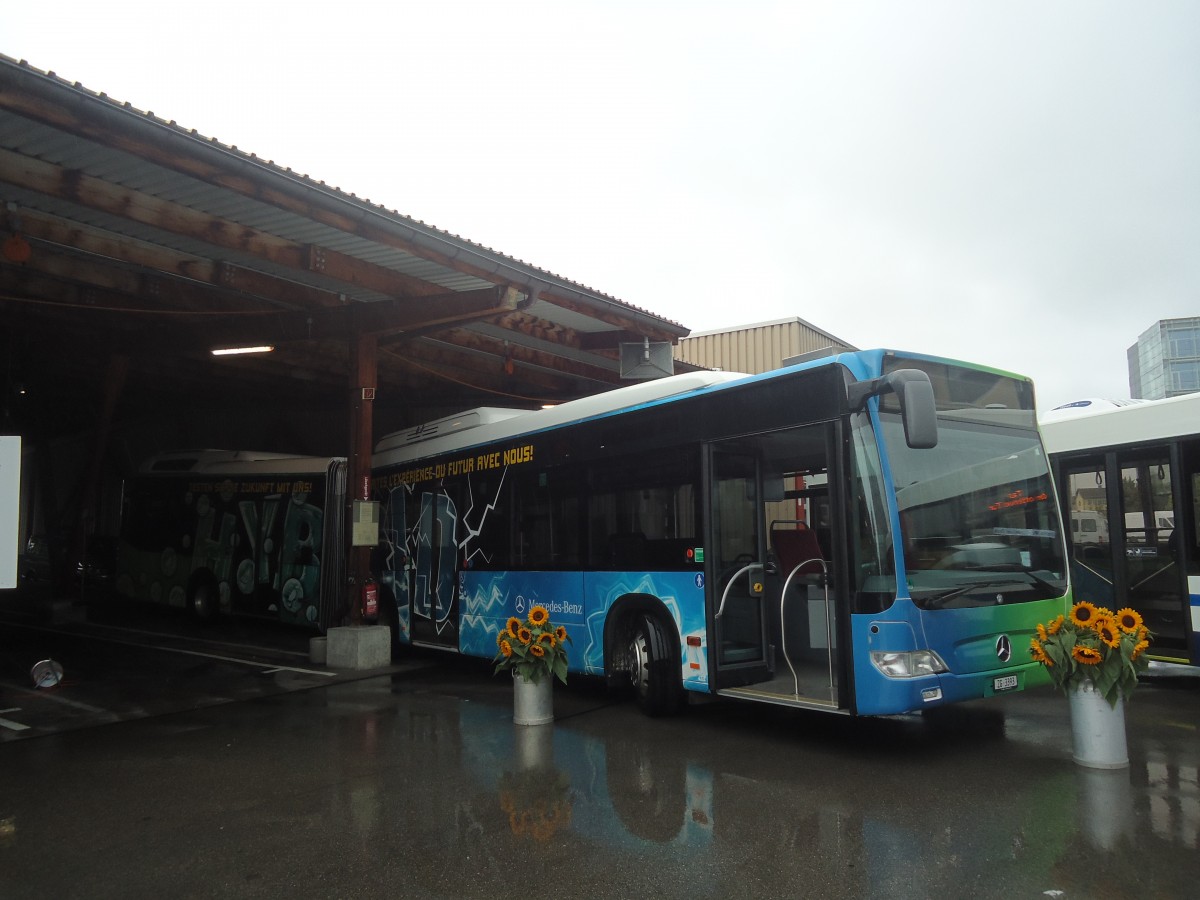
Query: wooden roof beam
[[529, 356], [404, 316], [103, 196], [169, 262], [464, 368], [76, 111]]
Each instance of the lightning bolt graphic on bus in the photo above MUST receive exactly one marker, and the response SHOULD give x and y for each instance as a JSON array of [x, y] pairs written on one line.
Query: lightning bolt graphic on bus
[[474, 532]]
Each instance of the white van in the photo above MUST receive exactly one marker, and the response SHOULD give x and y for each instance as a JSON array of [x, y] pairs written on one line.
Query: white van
[[1088, 527], [1135, 526]]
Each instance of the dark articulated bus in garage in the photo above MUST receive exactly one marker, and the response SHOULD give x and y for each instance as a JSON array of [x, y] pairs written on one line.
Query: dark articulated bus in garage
[[869, 533], [236, 533]]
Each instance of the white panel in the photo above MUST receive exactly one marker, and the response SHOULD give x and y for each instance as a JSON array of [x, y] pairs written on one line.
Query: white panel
[[10, 506]]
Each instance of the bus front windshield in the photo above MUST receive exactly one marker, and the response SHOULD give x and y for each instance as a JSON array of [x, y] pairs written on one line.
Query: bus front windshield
[[978, 519]]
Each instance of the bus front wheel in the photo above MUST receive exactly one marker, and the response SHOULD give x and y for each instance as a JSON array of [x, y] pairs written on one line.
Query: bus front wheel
[[655, 679]]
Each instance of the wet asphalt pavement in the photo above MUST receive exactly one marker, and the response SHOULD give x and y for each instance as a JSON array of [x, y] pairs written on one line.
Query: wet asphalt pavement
[[413, 782]]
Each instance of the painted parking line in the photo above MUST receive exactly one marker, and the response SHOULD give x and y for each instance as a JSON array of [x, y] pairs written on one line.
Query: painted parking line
[[273, 667], [9, 723], [97, 627], [51, 696], [266, 667]]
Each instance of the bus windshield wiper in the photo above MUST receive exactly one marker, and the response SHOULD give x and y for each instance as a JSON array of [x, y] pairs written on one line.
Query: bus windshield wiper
[[943, 598], [1048, 587]]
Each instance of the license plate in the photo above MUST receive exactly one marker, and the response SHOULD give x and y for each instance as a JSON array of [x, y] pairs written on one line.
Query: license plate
[[1004, 683]]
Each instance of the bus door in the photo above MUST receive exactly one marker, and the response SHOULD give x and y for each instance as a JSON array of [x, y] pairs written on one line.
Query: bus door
[[804, 613], [1136, 556], [735, 566], [1084, 487], [1155, 577], [773, 512], [433, 599]]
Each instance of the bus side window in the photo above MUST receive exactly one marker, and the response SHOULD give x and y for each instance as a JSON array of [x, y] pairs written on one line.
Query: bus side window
[[627, 552]]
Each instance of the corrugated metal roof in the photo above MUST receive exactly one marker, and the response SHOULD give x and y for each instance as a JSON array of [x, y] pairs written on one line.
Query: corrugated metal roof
[[65, 132], [120, 168]]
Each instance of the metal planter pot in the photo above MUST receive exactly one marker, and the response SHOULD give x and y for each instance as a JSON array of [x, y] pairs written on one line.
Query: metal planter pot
[[533, 702], [1098, 729]]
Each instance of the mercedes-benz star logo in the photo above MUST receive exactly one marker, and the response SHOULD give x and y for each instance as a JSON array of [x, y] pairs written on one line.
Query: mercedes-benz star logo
[[1003, 648]]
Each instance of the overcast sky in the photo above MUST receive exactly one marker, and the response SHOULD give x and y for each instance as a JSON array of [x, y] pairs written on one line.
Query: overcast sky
[[1015, 183]]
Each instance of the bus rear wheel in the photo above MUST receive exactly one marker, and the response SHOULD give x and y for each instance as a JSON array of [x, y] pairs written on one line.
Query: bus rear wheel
[[655, 679], [205, 600]]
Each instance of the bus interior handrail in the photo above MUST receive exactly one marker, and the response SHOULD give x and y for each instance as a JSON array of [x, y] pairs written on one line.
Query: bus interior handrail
[[828, 624]]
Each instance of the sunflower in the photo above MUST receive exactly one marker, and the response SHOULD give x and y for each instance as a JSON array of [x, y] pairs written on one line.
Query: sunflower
[[1089, 656], [1129, 620], [531, 645], [1083, 614], [1038, 652], [1093, 645], [1107, 629]]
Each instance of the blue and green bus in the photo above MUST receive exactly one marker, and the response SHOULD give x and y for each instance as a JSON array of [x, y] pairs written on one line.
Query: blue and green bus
[[869, 533]]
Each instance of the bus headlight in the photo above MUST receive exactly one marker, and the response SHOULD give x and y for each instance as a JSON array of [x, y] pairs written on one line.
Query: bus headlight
[[908, 664]]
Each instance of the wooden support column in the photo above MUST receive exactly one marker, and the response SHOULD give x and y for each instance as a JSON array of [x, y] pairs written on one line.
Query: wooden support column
[[85, 521], [363, 379]]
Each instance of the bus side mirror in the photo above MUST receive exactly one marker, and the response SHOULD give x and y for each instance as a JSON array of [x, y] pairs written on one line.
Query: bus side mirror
[[918, 409]]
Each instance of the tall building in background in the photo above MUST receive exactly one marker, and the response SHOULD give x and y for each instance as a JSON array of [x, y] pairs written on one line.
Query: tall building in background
[[1165, 361]]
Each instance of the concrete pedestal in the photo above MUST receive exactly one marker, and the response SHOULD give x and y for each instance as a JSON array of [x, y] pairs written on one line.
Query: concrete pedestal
[[359, 647], [318, 650]]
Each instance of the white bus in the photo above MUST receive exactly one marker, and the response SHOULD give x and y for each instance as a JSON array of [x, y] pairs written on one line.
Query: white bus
[[1135, 467]]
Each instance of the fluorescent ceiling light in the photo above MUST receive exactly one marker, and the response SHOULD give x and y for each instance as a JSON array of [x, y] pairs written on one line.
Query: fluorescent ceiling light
[[233, 351]]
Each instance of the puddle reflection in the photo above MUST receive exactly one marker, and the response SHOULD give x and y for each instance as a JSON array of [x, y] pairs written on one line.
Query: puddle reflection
[[1174, 800], [533, 793], [918, 819], [1105, 807], [875, 823]]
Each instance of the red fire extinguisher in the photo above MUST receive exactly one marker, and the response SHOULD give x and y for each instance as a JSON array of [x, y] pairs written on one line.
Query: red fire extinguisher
[[370, 600]]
